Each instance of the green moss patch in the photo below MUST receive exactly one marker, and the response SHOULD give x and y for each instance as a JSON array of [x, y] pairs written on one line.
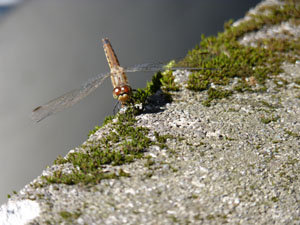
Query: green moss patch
[[291, 133], [125, 143], [267, 120], [141, 95], [168, 81], [253, 65], [69, 216], [269, 15], [122, 145], [216, 94]]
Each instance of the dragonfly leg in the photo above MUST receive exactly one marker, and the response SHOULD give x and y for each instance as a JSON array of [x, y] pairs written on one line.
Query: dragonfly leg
[[117, 106]]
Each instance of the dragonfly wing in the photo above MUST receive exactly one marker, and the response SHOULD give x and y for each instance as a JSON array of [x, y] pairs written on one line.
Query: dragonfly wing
[[145, 67], [67, 100], [159, 67]]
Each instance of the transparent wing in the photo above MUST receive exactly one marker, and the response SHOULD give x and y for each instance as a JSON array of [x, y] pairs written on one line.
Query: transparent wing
[[159, 67], [68, 99]]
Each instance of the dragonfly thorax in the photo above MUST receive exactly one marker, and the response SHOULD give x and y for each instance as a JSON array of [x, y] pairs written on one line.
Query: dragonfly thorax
[[122, 93]]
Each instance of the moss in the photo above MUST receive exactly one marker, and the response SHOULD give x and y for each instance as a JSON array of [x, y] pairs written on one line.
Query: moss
[[59, 160], [40, 196], [142, 94], [162, 139], [291, 133], [292, 161], [210, 217], [297, 81], [68, 216], [269, 15], [198, 217], [125, 143], [198, 82], [149, 162], [216, 94], [158, 80], [94, 130], [168, 81], [174, 219], [229, 138], [231, 59], [267, 120], [194, 196], [148, 174], [242, 86], [264, 103], [282, 47], [130, 142], [49, 222], [13, 193]]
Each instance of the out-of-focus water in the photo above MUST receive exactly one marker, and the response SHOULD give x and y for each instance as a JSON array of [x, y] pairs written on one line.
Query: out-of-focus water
[[50, 47], [4, 10]]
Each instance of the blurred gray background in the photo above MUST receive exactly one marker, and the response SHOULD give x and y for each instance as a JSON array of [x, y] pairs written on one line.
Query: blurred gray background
[[49, 47]]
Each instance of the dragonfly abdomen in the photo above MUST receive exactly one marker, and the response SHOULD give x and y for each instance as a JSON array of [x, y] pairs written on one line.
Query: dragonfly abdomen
[[111, 56], [122, 91]]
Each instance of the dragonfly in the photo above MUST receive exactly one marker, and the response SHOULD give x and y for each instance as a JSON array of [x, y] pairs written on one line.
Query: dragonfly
[[122, 91]]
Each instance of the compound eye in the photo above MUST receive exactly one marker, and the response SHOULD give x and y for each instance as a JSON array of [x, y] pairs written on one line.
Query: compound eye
[[125, 89], [116, 92]]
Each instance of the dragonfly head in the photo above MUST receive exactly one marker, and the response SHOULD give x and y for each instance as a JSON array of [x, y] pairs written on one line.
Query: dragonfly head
[[122, 93]]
